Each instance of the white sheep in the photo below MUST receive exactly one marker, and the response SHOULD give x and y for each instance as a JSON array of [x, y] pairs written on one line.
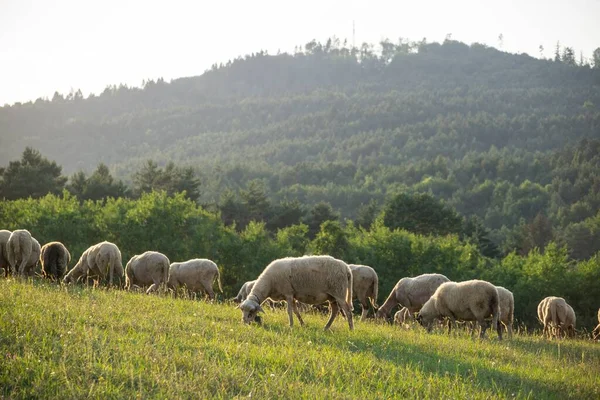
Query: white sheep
[[245, 291], [411, 293], [34, 258], [55, 259], [472, 300], [18, 250], [507, 308], [4, 265], [308, 279], [557, 317], [97, 262], [196, 275], [403, 316], [365, 285], [147, 269]]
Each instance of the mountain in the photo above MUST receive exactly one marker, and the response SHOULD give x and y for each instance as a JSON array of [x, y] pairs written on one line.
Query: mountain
[[502, 136]]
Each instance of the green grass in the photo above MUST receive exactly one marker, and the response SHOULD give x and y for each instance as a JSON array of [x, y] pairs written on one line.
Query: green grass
[[78, 343]]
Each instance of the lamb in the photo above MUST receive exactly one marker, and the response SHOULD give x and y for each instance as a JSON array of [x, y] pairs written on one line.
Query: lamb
[[557, 316], [55, 259], [472, 300], [150, 268], [4, 266], [596, 331], [97, 262], [196, 275], [365, 285], [244, 291], [411, 293], [308, 279], [507, 308], [18, 250], [403, 316]]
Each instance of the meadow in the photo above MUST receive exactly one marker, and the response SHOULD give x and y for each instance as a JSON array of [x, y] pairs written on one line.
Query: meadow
[[78, 342]]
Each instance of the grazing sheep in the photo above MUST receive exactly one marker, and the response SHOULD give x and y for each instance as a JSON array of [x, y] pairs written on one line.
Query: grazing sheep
[[308, 279], [507, 308], [403, 316], [557, 317], [55, 259], [18, 250], [4, 266], [473, 300], [34, 258], [196, 275], [365, 285], [411, 293], [244, 291], [150, 268], [97, 262], [596, 331]]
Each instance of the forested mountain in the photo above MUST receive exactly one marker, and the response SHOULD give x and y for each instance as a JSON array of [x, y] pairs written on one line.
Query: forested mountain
[[511, 139]]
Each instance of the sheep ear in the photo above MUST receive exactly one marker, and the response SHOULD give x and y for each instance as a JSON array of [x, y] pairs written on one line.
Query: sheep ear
[[260, 309]]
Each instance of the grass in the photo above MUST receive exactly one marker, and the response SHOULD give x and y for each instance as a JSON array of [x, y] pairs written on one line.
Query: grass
[[83, 343]]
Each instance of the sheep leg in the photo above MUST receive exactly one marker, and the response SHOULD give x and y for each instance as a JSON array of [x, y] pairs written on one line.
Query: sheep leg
[[365, 310], [335, 309], [211, 294], [297, 312], [451, 324], [152, 288], [483, 326], [509, 329], [290, 306]]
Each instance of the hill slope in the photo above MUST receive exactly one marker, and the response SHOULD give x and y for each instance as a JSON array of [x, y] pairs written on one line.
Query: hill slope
[[78, 343], [502, 136]]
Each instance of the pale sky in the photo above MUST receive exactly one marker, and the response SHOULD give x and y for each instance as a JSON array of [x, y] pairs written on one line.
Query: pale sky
[[59, 45]]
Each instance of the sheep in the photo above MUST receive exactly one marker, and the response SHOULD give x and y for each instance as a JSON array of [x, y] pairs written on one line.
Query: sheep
[[411, 293], [507, 309], [18, 250], [309, 279], [403, 316], [244, 291], [196, 275], [55, 259], [557, 316], [34, 258], [150, 268], [97, 262], [596, 331], [4, 266], [365, 285], [472, 300]]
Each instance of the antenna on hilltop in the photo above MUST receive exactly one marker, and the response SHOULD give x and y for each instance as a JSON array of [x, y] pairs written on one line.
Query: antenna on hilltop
[[353, 34]]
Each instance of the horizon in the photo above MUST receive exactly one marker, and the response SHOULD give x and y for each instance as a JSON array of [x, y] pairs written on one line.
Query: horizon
[[68, 46]]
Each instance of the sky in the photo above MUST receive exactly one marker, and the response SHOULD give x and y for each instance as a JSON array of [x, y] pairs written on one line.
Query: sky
[[64, 45]]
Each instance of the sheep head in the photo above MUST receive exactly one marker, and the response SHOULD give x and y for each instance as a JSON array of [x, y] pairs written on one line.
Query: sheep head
[[427, 315], [250, 309]]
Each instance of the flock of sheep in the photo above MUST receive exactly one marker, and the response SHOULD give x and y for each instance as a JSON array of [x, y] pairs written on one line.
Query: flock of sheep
[[299, 281]]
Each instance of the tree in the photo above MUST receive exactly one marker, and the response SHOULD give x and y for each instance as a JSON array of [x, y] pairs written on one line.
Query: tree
[[100, 185], [255, 200], [568, 56], [475, 232], [421, 213], [318, 214], [171, 179], [596, 58], [284, 214], [33, 176], [331, 240], [367, 214]]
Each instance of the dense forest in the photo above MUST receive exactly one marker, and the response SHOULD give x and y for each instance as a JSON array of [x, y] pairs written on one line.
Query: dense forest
[[507, 146]]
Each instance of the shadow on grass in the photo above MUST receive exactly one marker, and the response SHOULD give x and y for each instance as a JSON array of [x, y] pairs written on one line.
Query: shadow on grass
[[466, 369]]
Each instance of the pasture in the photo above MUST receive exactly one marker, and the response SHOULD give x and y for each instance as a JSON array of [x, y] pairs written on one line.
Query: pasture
[[77, 342]]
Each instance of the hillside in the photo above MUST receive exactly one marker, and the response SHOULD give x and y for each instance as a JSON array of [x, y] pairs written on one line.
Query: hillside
[[75, 343], [501, 136]]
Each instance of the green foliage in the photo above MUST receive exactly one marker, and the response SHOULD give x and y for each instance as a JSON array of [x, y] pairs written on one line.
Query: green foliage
[[32, 176], [172, 179], [181, 229], [421, 213], [98, 186], [83, 343]]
